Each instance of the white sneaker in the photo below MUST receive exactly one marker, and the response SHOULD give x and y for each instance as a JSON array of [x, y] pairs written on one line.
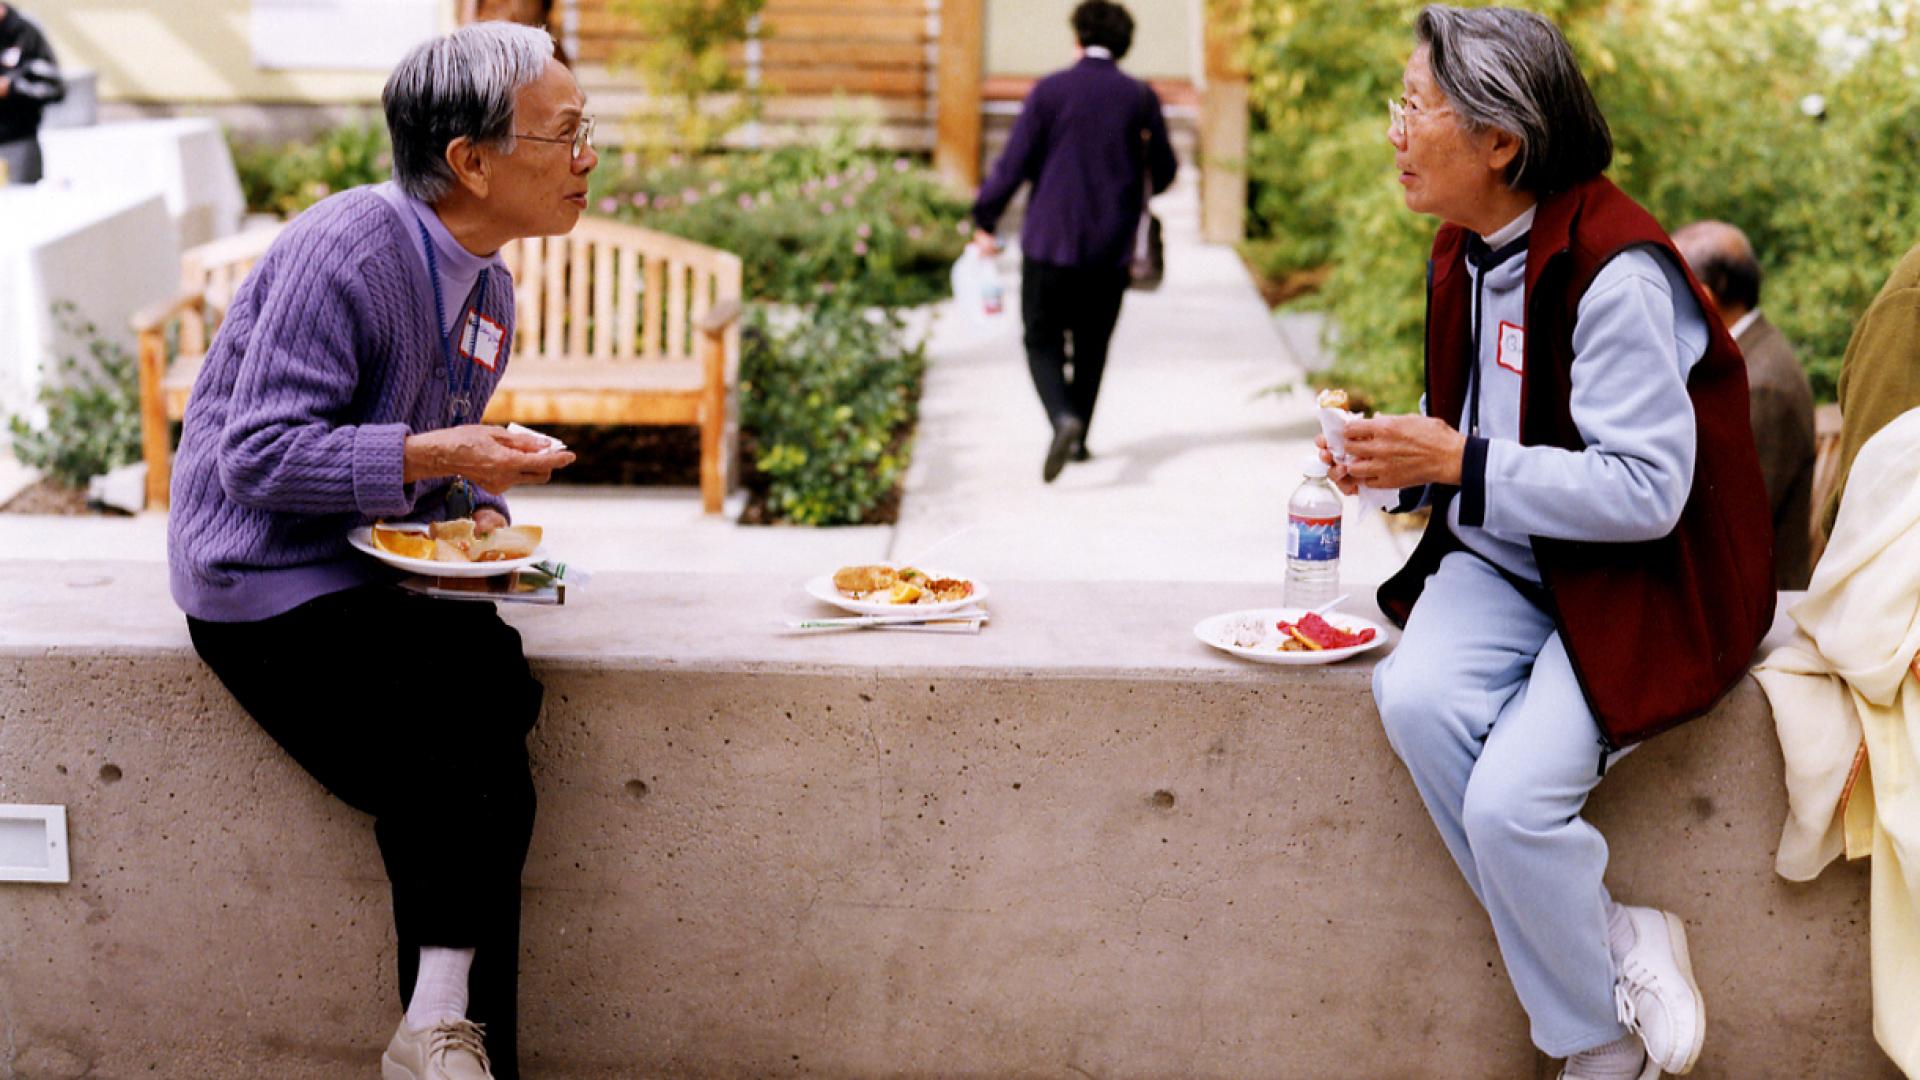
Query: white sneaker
[[450, 1050], [1655, 991]]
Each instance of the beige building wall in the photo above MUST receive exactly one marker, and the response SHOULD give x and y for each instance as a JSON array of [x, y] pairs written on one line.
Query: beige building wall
[[187, 52], [1031, 37]]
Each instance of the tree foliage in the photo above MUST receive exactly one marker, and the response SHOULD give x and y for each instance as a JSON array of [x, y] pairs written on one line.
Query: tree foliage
[[1712, 110], [686, 55]]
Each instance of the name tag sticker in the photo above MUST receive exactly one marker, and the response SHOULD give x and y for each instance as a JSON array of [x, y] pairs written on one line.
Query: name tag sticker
[[1512, 353], [486, 337]]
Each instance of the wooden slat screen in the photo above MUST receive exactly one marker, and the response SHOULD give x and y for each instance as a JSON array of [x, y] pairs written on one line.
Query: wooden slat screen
[[807, 51]]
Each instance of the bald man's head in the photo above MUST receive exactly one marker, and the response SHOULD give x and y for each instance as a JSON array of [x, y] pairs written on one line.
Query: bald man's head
[[1722, 258]]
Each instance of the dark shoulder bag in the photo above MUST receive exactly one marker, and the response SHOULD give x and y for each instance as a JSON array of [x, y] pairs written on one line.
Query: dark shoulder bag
[[1148, 263]]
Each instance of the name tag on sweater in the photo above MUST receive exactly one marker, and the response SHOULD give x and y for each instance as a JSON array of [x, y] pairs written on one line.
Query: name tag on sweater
[[485, 337], [1512, 351]]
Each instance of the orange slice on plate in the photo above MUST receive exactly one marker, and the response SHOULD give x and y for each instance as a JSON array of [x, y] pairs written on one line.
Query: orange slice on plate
[[407, 545]]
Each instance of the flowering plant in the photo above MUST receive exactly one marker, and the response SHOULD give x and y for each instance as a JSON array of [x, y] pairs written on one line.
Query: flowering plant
[[809, 221]]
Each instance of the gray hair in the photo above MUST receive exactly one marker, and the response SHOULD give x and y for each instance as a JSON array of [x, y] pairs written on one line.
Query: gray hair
[[1514, 71], [462, 84]]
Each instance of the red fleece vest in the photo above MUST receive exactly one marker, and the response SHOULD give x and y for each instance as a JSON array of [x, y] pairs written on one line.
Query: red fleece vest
[[1657, 630]]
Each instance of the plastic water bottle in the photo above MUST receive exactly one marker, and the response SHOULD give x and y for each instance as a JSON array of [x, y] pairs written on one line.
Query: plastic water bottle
[[1313, 540], [993, 293]]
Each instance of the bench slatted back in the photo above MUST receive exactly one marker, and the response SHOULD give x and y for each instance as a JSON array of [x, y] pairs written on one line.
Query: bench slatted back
[[611, 291], [215, 271], [607, 291]]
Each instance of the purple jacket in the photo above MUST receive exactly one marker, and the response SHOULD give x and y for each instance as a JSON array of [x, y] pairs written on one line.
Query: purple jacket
[[327, 360], [1086, 138]]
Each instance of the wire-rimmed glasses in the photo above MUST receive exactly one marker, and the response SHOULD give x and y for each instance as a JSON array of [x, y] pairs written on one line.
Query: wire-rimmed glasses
[[580, 141], [1403, 109]]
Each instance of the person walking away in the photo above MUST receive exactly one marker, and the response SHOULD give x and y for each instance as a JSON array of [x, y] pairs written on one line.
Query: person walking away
[[29, 82], [1089, 139], [1598, 514], [346, 385], [1780, 399]]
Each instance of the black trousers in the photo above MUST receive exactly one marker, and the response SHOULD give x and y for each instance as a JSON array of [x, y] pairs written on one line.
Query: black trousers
[[415, 711], [23, 160], [1069, 312]]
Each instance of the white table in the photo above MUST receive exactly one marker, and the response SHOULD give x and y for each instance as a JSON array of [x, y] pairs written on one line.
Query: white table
[[107, 252], [185, 160]]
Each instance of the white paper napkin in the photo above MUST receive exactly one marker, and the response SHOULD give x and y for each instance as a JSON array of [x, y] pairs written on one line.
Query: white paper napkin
[[1333, 425]]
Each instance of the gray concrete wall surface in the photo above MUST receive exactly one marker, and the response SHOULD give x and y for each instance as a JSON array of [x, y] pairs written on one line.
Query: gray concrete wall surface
[[1080, 844]]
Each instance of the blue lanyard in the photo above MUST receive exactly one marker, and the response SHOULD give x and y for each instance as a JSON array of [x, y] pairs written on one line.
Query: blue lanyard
[[459, 398]]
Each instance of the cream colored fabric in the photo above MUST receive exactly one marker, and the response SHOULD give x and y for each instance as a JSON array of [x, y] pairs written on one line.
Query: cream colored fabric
[[1847, 682]]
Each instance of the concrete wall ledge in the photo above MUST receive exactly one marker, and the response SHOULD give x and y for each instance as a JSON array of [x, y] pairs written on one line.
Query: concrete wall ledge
[[1080, 844]]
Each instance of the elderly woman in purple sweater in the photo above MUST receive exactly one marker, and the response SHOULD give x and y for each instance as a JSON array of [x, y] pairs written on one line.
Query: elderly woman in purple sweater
[[345, 386]]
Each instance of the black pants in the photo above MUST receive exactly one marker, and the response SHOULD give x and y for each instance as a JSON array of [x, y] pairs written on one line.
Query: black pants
[[23, 160], [415, 711], [1069, 313]]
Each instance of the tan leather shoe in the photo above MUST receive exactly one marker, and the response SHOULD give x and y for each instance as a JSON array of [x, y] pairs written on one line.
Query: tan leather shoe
[[452, 1050]]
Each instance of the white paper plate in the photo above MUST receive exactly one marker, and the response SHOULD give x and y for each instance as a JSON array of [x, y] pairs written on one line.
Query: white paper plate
[[362, 538], [1218, 631], [821, 589]]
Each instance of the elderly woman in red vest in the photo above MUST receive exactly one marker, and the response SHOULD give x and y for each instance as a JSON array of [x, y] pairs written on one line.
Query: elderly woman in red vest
[[1598, 566]]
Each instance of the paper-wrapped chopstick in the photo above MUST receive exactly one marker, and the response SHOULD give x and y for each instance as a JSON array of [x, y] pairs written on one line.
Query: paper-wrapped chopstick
[[964, 620]]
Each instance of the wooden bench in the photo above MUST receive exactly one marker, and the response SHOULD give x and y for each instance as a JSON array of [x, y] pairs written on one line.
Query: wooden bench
[[615, 324]]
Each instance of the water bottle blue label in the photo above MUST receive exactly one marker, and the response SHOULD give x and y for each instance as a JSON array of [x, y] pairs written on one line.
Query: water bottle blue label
[[1313, 539]]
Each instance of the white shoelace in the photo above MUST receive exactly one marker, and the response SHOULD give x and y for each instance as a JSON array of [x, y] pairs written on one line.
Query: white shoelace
[[1632, 978], [453, 1035], [1623, 1006]]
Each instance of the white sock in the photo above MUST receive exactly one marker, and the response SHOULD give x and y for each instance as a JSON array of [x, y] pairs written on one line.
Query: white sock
[[1621, 1059], [1620, 933], [440, 991]]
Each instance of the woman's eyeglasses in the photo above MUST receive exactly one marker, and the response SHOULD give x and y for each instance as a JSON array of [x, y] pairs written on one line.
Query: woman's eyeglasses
[[581, 140], [1402, 110]]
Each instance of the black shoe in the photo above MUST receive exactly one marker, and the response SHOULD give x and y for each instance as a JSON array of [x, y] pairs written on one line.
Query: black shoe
[[1065, 434], [1079, 452]]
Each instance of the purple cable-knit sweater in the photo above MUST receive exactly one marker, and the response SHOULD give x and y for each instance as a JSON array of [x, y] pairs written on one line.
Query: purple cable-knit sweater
[[326, 362]]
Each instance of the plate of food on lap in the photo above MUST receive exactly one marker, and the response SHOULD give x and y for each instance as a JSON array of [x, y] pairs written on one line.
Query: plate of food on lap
[[885, 589], [450, 548], [1290, 635]]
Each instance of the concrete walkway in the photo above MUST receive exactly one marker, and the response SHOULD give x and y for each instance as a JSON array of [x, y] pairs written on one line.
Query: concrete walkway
[[1193, 462], [1194, 455]]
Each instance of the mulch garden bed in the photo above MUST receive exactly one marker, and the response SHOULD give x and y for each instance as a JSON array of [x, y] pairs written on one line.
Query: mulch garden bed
[[49, 496], [1277, 291]]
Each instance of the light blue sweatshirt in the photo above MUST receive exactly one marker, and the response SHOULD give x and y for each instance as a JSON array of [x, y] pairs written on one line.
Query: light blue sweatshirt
[[1637, 335]]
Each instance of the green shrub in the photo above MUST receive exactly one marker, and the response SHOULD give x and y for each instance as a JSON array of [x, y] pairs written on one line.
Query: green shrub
[[684, 56], [286, 178], [828, 402], [821, 219], [93, 415], [1705, 104]]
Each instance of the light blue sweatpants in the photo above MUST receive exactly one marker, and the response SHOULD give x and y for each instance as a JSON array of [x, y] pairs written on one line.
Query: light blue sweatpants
[[1480, 702]]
